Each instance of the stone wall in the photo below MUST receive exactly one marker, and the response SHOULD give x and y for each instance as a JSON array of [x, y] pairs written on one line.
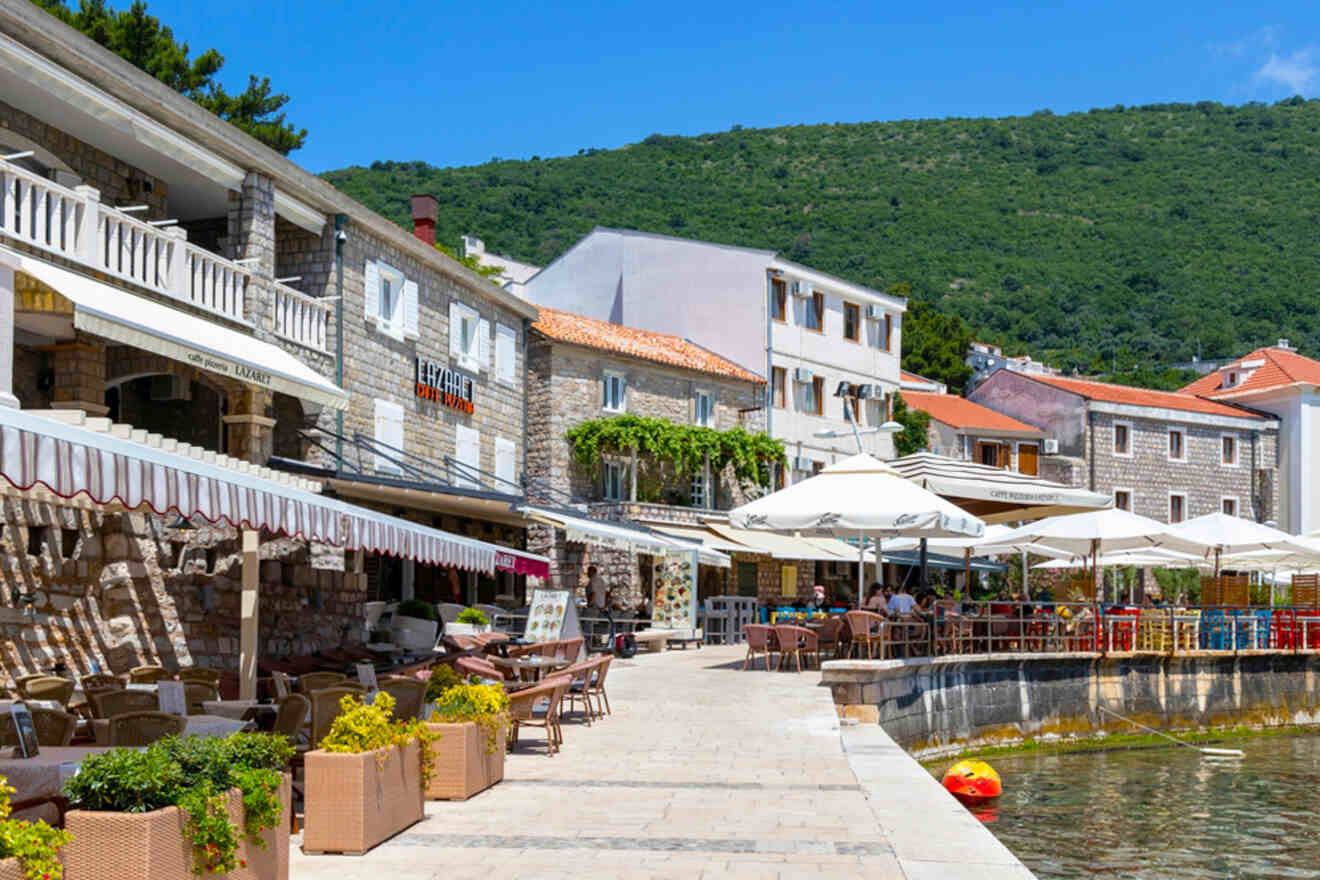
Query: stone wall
[[121, 590], [953, 703], [1150, 476]]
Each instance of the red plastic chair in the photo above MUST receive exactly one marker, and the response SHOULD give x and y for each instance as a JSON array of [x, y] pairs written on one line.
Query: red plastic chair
[[1283, 629]]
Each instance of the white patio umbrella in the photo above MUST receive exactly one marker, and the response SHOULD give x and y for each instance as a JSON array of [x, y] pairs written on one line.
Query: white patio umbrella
[[1098, 532], [1155, 558], [859, 497], [1227, 535]]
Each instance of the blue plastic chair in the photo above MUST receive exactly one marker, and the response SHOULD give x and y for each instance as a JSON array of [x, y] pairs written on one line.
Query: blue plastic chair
[[764, 613], [1214, 630]]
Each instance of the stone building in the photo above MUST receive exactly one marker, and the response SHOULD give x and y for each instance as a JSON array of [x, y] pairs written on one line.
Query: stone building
[[1167, 455], [168, 280], [965, 430]]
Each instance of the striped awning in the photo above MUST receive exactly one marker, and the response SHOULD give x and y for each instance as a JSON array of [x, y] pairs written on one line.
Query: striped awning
[[71, 455]]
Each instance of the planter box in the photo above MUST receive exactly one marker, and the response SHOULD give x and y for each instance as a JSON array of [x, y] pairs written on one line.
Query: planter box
[[414, 633], [351, 804], [271, 863], [11, 869], [461, 767], [129, 846]]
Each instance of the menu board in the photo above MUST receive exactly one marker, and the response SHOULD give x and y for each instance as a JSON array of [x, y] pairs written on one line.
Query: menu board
[[27, 731], [545, 617], [172, 698], [675, 601]]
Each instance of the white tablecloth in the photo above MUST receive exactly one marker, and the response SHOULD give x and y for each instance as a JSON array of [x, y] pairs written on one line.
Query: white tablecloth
[[198, 725], [235, 709]]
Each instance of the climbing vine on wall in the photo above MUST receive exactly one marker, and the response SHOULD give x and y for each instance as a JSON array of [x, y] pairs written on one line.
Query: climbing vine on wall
[[687, 446]]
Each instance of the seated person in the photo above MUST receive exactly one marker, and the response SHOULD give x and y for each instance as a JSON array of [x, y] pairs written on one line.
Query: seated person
[[877, 601], [901, 602]]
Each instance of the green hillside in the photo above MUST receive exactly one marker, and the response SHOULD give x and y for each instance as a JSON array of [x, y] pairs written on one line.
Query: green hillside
[[1125, 236]]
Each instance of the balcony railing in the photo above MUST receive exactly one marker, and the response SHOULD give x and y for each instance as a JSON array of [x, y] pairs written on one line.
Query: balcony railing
[[73, 224], [301, 318]]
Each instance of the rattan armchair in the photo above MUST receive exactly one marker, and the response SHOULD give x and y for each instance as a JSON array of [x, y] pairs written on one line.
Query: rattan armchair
[[50, 687], [54, 728], [197, 693], [760, 640], [409, 694], [99, 681], [325, 709], [525, 711], [20, 683], [109, 703], [311, 682], [794, 641], [144, 728], [201, 675], [148, 674], [869, 630]]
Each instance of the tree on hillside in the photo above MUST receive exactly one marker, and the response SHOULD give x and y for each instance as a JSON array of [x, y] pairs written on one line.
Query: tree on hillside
[[143, 41], [935, 344], [915, 435]]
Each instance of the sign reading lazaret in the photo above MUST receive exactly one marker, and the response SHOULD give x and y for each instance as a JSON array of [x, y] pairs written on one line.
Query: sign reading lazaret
[[445, 386]]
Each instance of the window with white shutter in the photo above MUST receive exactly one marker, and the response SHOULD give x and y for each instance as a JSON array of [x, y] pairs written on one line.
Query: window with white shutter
[[411, 316], [483, 345], [506, 354], [389, 436], [467, 446], [388, 299], [465, 338], [506, 467]]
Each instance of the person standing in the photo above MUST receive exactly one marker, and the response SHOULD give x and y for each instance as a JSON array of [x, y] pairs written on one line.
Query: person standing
[[596, 588]]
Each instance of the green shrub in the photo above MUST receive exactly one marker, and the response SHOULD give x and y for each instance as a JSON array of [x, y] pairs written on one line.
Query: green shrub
[[483, 704], [415, 608], [363, 727], [443, 677], [473, 616]]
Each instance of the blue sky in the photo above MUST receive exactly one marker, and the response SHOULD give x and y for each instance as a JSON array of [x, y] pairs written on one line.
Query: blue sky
[[459, 84]]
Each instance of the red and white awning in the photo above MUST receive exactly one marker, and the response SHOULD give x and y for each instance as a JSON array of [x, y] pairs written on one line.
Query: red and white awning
[[71, 460]]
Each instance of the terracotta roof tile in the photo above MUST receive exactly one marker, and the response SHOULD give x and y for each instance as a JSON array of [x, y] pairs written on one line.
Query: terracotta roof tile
[[662, 348], [1179, 400], [1281, 367], [959, 412]]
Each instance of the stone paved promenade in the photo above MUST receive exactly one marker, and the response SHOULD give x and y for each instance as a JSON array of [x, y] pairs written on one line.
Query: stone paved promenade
[[702, 771]]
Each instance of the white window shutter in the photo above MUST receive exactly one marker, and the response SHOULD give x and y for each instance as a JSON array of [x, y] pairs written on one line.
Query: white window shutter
[[483, 345], [455, 332], [411, 319], [467, 446], [388, 432], [371, 276], [505, 466], [506, 354]]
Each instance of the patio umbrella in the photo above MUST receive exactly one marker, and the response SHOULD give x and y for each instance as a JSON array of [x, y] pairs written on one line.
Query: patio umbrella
[[859, 497], [1227, 535], [1097, 532]]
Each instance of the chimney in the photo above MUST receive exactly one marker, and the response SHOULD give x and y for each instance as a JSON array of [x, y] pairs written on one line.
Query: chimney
[[425, 211], [1283, 344]]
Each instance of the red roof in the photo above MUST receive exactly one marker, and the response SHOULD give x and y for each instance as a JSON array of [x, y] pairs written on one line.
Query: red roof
[[662, 348], [907, 376], [1282, 367], [1179, 400], [959, 412]]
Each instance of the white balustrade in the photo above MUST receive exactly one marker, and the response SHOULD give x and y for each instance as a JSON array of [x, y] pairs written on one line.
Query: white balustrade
[[74, 224], [301, 318]]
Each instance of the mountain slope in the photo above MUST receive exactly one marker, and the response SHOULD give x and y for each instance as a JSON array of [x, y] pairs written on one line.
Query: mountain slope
[[1118, 236]]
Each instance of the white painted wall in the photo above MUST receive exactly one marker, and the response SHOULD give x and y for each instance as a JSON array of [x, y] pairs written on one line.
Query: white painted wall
[[717, 296]]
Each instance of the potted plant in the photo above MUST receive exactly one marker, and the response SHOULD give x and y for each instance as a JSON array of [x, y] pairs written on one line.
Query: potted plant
[[28, 850], [472, 721], [367, 780], [470, 622], [442, 678], [180, 807], [414, 625]]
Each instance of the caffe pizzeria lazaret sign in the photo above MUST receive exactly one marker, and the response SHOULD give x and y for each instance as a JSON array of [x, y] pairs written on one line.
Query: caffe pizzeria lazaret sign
[[445, 386]]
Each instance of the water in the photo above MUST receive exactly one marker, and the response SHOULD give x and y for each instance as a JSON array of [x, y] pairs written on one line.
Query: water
[[1164, 812]]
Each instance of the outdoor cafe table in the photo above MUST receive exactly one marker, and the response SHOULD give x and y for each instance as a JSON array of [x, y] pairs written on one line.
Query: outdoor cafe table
[[39, 777], [530, 668], [197, 725], [240, 710]]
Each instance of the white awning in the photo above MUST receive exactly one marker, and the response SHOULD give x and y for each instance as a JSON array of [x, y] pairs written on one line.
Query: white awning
[[782, 546], [71, 459], [699, 533], [996, 495], [111, 313], [633, 537]]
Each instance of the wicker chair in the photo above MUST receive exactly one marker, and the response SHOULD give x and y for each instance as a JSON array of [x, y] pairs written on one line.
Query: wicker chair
[[831, 635], [109, 703], [311, 682], [20, 683], [794, 641], [148, 674], [201, 675], [868, 630], [591, 684], [50, 687], [325, 709], [409, 694], [291, 715], [54, 728], [524, 710], [99, 681], [144, 728], [197, 693], [760, 640]]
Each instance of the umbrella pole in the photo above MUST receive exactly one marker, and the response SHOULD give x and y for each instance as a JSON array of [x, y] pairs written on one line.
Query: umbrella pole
[[1095, 593], [967, 572], [923, 565], [861, 566]]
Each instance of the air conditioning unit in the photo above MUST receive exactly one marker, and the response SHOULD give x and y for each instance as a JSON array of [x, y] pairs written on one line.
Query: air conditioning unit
[[802, 374], [869, 392], [803, 464], [1050, 446], [875, 312], [168, 388], [802, 289]]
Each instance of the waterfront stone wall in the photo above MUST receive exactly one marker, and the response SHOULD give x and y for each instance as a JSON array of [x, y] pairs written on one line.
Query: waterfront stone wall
[[948, 704]]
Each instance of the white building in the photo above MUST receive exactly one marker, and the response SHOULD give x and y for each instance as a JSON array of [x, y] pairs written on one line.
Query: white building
[[985, 359], [811, 335], [513, 274]]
